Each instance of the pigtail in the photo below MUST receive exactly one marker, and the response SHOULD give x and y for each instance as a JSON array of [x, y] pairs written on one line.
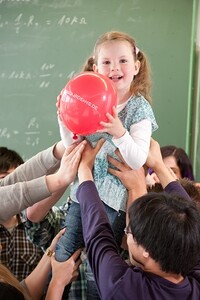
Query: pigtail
[[141, 84], [88, 65]]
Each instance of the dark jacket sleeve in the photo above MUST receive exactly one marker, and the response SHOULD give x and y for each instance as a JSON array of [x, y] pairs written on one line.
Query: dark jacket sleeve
[[99, 240], [176, 188]]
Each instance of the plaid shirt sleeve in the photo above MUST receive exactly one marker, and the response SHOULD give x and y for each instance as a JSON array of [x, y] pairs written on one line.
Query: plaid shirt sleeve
[[43, 232]]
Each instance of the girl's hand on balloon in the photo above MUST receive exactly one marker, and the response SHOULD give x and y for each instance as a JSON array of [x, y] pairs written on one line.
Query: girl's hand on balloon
[[114, 126]]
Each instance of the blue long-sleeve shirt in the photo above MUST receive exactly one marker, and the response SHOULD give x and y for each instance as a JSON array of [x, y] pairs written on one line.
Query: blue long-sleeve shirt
[[114, 278]]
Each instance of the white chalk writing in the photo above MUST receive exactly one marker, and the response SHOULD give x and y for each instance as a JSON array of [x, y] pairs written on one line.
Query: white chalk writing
[[31, 21], [31, 134], [46, 74]]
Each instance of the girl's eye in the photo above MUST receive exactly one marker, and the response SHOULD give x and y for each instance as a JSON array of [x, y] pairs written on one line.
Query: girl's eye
[[106, 62], [123, 60]]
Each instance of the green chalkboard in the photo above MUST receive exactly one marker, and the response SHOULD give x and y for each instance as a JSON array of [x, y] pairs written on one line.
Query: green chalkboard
[[43, 43]]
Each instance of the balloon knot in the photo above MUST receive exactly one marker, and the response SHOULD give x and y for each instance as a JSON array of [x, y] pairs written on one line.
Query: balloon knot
[[75, 137]]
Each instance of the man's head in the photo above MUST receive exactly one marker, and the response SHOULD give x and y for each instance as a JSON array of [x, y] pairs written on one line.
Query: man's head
[[9, 160], [167, 228]]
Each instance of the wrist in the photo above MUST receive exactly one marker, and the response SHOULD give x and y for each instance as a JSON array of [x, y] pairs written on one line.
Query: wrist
[[139, 190], [120, 134], [84, 173], [58, 150], [49, 252], [158, 167], [55, 182]]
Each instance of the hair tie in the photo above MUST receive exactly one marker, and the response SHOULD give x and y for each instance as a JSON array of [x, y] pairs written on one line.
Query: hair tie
[[137, 50]]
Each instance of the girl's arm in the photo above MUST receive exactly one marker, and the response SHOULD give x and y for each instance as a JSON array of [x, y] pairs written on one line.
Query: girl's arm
[[66, 135], [134, 147]]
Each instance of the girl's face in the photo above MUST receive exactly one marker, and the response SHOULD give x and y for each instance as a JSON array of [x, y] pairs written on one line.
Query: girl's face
[[116, 61]]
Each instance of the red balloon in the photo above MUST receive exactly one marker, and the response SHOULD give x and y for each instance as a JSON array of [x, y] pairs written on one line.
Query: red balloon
[[84, 102]]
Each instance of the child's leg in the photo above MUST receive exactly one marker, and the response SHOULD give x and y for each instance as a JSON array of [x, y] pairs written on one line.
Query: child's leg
[[118, 226], [72, 239]]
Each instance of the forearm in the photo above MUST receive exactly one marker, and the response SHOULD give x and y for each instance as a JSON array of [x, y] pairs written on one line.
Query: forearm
[[19, 196], [134, 147], [38, 211], [39, 165], [163, 174], [37, 280], [138, 191], [167, 180], [174, 187], [55, 183], [101, 248], [58, 150], [84, 173], [55, 291]]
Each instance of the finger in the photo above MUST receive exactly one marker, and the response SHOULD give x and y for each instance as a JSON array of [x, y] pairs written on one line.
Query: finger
[[121, 165], [76, 254], [78, 263], [117, 152], [74, 148], [75, 275], [114, 172], [115, 162], [106, 124], [60, 233], [69, 149], [110, 117], [99, 144], [102, 130], [114, 109]]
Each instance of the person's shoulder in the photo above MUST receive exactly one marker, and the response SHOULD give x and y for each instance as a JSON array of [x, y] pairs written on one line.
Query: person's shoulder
[[138, 101]]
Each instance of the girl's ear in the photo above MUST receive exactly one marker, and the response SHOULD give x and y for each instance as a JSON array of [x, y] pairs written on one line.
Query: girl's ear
[[95, 69], [137, 67]]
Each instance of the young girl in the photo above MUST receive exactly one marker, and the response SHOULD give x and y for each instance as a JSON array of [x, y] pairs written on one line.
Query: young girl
[[129, 129]]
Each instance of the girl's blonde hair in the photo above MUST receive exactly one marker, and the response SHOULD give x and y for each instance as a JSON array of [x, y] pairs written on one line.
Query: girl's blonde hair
[[141, 83], [7, 277]]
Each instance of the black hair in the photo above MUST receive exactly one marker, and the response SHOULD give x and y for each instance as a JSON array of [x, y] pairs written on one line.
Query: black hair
[[182, 160], [9, 159], [168, 227]]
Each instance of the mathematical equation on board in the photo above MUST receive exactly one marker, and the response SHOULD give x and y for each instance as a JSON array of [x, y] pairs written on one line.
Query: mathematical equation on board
[[31, 21], [43, 77], [31, 134]]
